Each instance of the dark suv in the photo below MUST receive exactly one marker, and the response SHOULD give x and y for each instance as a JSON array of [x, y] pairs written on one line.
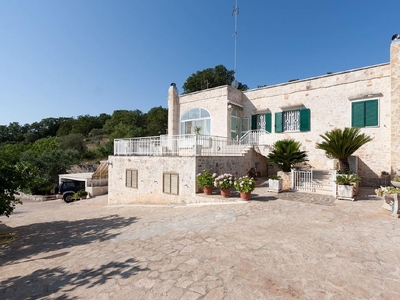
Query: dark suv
[[68, 188]]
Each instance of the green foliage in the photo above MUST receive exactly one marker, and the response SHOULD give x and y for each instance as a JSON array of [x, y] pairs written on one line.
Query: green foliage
[[209, 78], [341, 144], [46, 166], [286, 153], [82, 193], [45, 145], [65, 126], [245, 184], [347, 179], [130, 119], [73, 141], [156, 121], [84, 124], [205, 179], [275, 177], [10, 181]]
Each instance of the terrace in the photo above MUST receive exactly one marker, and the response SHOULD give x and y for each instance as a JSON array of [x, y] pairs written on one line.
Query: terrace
[[194, 145]]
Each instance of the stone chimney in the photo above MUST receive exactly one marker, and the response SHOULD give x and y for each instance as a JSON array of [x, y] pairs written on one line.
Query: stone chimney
[[395, 101], [173, 110]]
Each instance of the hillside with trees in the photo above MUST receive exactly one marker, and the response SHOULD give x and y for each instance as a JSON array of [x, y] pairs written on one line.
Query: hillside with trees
[[32, 155]]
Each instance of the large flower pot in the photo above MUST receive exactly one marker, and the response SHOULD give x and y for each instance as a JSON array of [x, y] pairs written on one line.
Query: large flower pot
[[275, 185], [395, 183], [345, 191], [226, 193], [245, 196], [208, 190]]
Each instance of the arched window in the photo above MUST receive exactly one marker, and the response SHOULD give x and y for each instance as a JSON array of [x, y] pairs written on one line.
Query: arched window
[[196, 120]]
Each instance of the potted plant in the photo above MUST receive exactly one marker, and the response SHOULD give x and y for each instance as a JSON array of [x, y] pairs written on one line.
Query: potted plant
[[275, 183], [346, 185], [82, 194], [224, 182], [392, 199], [287, 153], [341, 144], [245, 185], [206, 181], [253, 174], [396, 181]]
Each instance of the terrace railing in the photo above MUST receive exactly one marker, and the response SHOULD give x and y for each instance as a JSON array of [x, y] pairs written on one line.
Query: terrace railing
[[187, 145]]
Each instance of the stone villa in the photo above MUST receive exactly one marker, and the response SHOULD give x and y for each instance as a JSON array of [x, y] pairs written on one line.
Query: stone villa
[[226, 130]]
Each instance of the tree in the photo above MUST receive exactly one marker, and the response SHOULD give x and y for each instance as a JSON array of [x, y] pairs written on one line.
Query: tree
[[156, 121], [286, 154], [341, 144], [10, 182], [73, 141], [130, 118], [45, 168], [84, 124], [209, 78]]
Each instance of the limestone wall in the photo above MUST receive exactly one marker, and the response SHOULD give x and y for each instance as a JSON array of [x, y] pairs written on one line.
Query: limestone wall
[[215, 101], [395, 105], [329, 99], [150, 179]]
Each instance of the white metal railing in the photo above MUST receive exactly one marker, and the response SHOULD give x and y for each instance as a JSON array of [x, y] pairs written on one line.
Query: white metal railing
[[179, 145], [256, 137], [302, 180]]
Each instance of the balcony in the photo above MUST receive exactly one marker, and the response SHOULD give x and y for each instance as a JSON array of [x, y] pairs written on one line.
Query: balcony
[[191, 145]]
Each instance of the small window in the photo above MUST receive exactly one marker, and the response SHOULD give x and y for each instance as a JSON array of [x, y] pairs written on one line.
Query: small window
[[261, 121], [171, 183], [364, 113], [293, 120], [131, 179]]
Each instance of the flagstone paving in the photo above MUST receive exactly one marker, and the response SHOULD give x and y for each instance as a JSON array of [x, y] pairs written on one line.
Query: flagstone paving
[[277, 246]]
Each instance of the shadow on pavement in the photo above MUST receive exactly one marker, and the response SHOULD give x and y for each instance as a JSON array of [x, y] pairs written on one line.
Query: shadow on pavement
[[45, 237], [45, 282]]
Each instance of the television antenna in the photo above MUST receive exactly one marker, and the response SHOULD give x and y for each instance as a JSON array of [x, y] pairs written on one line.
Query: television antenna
[[235, 14]]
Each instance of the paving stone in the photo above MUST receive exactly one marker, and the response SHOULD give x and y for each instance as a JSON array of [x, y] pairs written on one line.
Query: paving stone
[[297, 246]]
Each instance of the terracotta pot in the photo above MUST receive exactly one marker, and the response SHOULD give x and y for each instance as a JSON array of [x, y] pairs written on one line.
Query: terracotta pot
[[226, 193], [245, 196], [208, 190]]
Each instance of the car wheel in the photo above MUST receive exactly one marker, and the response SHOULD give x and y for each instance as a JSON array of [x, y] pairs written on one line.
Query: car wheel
[[68, 198]]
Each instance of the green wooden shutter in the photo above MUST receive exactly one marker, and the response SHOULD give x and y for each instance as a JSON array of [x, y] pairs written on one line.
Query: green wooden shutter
[[254, 122], [305, 114], [279, 122], [268, 117], [357, 114], [371, 113]]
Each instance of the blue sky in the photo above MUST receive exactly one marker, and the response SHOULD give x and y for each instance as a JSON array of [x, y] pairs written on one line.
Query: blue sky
[[78, 57]]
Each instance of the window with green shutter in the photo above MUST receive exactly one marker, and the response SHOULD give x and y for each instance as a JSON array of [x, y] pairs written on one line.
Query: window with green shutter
[[293, 120], [364, 113], [305, 115], [279, 122], [261, 121]]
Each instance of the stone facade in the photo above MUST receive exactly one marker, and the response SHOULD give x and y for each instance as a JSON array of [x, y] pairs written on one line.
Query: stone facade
[[329, 99]]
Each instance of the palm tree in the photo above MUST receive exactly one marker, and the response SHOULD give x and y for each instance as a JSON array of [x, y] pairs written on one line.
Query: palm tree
[[342, 144], [286, 154]]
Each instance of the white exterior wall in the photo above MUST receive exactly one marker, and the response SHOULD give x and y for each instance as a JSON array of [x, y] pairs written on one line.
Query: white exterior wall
[[328, 99], [215, 101], [150, 179]]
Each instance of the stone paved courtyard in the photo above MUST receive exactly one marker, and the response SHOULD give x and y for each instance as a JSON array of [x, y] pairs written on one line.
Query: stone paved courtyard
[[277, 246]]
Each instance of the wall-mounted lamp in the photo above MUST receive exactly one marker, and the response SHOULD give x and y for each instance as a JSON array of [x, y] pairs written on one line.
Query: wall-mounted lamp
[[229, 106]]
